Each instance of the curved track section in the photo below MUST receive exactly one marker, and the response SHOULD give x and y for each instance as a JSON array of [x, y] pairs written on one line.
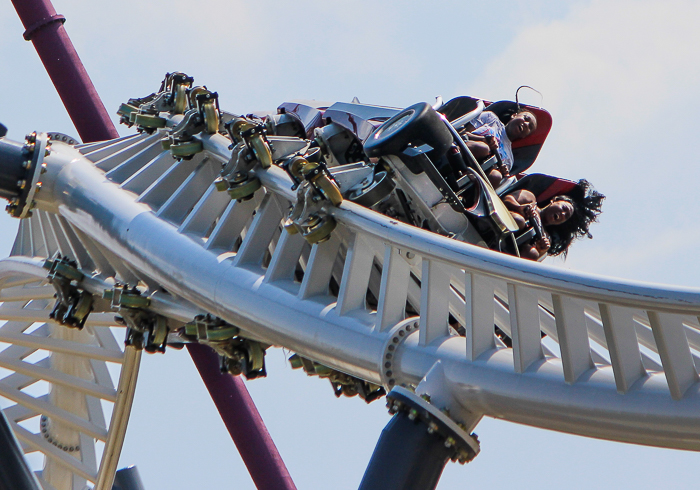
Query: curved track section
[[56, 388], [380, 300]]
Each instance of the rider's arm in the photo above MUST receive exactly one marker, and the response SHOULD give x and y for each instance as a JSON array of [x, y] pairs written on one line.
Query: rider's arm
[[474, 137], [479, 149], [512, 204]]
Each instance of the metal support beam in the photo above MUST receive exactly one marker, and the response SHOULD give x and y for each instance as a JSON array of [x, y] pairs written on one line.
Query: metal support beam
[[416, 445], [128, 479], [406, 457], [243, 422], [14, 470], [44, 27]]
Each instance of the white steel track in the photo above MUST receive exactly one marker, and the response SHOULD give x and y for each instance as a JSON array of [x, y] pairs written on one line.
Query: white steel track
[[56, 389], [617, 359]]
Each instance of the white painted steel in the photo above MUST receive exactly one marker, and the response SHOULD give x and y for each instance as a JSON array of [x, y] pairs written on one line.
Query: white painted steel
[[59, 376], [624, 369]]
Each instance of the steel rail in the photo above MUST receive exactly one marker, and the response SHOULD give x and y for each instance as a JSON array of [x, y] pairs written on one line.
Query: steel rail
[[620, 401]]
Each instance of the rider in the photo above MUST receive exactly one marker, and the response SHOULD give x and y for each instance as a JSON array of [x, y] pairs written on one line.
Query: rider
[[564, 218], [489, 135]]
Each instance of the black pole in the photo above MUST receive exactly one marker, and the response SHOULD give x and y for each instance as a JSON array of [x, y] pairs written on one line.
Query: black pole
[[415, 445], [14, 470], [127, 479], [406, 457]]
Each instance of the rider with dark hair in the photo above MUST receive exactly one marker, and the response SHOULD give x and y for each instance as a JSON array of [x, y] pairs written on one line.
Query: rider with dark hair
[[587, 203], [564, 218]]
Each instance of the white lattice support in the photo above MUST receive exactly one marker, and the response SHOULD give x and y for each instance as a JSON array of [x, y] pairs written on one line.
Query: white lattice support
[[149, 173], [78, 381], [525, 327], [120, 419], [393, 289], [132, 165], [103, 149], [572, 335], [114, 158], [622, 345], [231, 224], [674, 351], [205, 212], [434, 300], [87, 148], [319, 268], [356, 271], [479, 315], [285, 259], [162, 189], [262, 229]]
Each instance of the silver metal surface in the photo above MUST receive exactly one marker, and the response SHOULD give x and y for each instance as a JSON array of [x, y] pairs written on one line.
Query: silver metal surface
[[617, 361]]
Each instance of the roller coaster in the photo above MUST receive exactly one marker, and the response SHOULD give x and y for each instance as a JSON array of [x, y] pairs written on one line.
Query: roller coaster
[[232, 232]]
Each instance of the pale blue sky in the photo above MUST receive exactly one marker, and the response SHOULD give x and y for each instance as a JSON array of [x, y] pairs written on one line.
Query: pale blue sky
[[619, 78]]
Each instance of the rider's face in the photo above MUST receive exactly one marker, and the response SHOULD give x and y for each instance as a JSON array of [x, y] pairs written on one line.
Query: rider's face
[[557, 213], [521, 126]]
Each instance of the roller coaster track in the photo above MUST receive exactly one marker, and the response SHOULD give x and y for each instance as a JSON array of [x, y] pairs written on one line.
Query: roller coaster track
[[577, 353]]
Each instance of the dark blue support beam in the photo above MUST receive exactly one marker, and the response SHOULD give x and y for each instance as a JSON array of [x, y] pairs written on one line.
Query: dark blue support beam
[[14, 470]]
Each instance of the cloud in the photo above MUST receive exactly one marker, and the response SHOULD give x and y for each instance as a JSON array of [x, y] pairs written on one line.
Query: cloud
[[619, 78]]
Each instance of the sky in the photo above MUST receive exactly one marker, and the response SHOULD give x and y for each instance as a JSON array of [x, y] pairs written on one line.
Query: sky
[[618, 77]]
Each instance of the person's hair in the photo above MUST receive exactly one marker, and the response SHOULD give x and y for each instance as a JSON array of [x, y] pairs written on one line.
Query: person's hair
[[587, 203]]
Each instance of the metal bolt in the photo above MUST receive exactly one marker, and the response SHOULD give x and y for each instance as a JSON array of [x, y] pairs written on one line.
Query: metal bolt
[[239, 177], [413, 414]]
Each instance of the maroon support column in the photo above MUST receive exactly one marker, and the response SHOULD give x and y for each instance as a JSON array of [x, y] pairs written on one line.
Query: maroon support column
[[44, 27], [243, 422]]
